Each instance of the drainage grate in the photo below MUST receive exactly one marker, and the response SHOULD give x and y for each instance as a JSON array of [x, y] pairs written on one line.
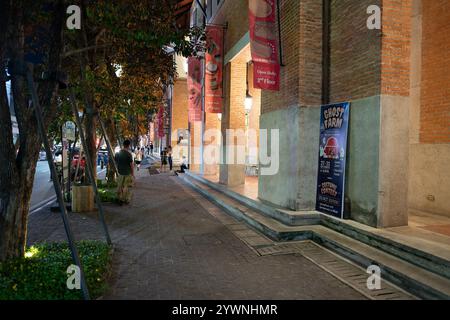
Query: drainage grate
[[349, 273]]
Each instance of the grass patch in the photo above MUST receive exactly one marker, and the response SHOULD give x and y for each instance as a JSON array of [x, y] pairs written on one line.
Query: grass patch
[[42, 273]]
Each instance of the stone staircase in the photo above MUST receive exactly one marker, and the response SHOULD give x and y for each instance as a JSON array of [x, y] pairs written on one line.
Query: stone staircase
[[421, 273]]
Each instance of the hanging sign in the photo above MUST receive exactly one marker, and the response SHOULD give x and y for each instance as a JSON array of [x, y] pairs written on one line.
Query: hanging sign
[[332, 156], [160, 122], [69, 130], [263, 44], [194, 89], [213, 70]]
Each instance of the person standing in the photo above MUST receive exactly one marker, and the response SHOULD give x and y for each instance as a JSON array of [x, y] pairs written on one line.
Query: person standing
[[163, 159], [124, 160], [169, 157], [151, 148], [138, 158]]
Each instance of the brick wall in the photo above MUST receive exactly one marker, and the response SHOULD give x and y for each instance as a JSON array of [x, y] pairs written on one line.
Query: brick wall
[[235, 13], [289, 77], [355, 51], [435, 87], [180, 108], [310, 55], [396, 47]]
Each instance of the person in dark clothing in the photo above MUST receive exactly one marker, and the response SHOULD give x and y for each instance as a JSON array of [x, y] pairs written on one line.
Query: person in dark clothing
[[183, 166], [169, 157], [125, 166], [163, 159]]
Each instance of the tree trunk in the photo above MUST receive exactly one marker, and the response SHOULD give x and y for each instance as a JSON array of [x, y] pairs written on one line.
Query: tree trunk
[[91, 139], [111, 133], [17, 171]]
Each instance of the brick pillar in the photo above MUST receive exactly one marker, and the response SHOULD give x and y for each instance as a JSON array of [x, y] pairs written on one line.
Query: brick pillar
[[211, 142], [394, 120], [233, 174], [195, 146]]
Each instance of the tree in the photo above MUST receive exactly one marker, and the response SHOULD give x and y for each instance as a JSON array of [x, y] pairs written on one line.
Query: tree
[[17, 171], [123, 33], [132, 35]]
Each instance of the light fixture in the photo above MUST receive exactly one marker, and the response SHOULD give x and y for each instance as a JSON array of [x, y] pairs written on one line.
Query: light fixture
[[248, 103]]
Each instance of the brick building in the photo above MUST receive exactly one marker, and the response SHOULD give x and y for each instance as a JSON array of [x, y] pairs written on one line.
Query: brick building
[[396, 78]]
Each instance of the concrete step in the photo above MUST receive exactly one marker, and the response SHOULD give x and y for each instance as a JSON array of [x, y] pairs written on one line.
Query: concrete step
[[414, 279], [400, 247], [284, 216]]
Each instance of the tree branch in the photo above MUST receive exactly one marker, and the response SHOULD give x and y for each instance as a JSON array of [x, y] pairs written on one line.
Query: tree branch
[[77, 51]]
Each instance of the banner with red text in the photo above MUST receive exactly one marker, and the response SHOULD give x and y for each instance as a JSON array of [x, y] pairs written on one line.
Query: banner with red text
[[213, 69], [263, 44], [194, 89]]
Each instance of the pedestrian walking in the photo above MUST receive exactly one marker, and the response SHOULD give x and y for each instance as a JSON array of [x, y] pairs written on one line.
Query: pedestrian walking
[[124, 160], [163, 159], [138, 158], [151, 148], [169, 157]]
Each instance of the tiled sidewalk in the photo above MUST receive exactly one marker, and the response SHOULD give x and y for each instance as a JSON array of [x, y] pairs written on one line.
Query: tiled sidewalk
[[168, 246]]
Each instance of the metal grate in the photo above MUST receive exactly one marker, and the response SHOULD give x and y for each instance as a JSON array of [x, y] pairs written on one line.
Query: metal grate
[[346, 271]]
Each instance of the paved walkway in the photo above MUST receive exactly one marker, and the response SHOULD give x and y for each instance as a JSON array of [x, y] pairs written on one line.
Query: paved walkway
[[169, 246]]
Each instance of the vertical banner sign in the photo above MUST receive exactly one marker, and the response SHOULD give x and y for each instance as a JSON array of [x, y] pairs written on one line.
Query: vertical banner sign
[[194, 89], [332, 155], [213, 72], [160, 121], [263, 44]]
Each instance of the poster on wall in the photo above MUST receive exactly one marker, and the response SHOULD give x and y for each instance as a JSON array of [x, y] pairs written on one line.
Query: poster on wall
[[194, 89], [263, 44], [213, 69], [332, 155]]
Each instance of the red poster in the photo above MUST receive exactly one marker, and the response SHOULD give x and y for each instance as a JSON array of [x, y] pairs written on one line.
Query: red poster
[[213, 70], [160, 122], [263, 43], [194, 89]]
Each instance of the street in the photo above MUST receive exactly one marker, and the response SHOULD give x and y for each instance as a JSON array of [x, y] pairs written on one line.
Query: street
[[171, 243], [43, 191]]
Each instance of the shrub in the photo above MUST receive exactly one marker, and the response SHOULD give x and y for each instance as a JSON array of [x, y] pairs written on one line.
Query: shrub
[[42, 273], [108, 195]]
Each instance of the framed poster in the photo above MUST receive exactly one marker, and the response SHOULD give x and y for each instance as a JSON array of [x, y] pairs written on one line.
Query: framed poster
[[332, 156]]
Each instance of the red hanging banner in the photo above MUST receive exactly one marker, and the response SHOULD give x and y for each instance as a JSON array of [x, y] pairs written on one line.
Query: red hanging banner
[[213, 72], [263, 43], [160, 122], [194, 89]]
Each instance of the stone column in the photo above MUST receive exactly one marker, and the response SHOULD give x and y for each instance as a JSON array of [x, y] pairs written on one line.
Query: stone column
[[233, 173]]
